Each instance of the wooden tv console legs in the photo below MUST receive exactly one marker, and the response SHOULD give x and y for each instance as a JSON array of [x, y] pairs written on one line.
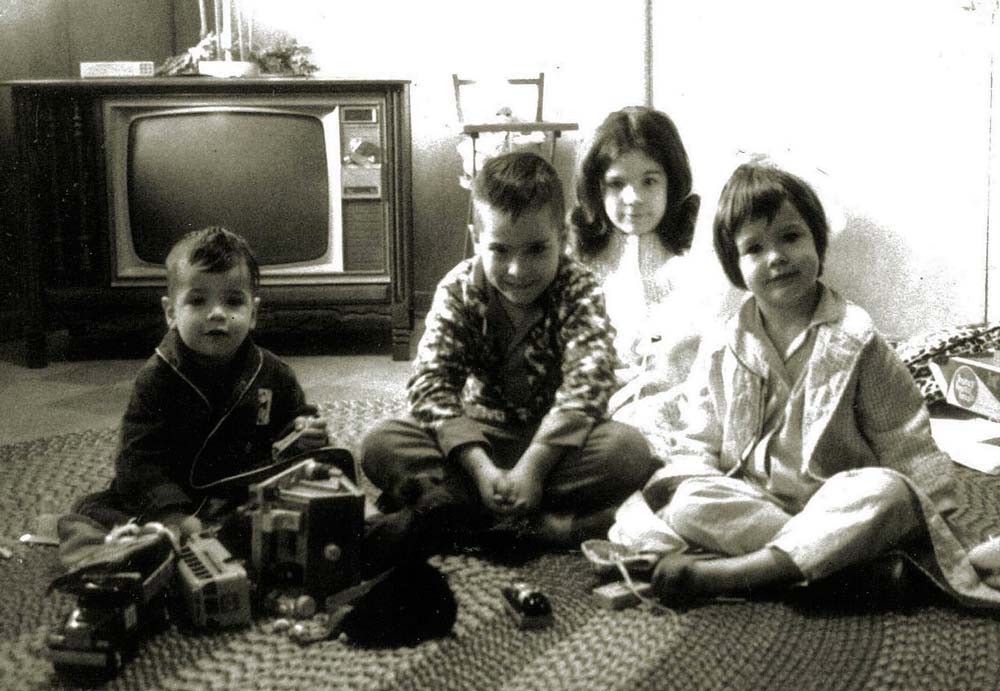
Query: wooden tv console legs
[[400, 344], [402, 329]]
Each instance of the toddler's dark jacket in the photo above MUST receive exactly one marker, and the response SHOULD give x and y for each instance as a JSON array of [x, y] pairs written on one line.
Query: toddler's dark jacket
[[191, 432]]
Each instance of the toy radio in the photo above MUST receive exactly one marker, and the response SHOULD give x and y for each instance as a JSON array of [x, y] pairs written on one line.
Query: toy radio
[[307, 525], [214, 584]]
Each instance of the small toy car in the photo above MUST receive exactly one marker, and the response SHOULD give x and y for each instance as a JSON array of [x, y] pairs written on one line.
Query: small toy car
[[529, 606]]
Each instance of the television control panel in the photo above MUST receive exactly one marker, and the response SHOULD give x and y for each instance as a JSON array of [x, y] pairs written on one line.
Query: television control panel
[[361, 152]]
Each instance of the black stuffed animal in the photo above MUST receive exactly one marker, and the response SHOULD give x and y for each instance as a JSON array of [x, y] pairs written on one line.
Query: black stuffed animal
[[410, 604]]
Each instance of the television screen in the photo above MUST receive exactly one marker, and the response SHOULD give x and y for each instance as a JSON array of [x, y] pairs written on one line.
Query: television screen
[[262, 173], [269, 167]]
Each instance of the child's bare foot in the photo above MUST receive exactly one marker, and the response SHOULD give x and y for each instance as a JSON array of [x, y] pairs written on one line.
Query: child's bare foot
[[700, 574], [553, 529], [569, 530], [673, 578]]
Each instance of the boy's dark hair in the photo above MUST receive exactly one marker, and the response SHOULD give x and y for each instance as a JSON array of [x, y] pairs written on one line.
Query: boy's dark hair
[[516, 182], [635, 128], [213, 249], [756, 191]]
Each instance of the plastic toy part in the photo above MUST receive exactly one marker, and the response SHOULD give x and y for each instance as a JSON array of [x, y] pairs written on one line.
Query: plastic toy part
[[619, 595], [307, 523], [215, 586]]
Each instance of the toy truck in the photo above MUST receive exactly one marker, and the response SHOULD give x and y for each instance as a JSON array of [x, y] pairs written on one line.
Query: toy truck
[[102, 631]]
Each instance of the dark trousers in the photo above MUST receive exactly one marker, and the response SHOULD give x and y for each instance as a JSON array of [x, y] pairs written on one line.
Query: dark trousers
[[404, 460]]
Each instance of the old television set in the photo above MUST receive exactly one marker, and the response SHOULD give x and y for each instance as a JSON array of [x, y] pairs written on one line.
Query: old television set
[[281, 172], [316, 173]]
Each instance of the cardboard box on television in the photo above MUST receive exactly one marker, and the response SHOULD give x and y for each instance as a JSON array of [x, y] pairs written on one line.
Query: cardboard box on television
[[971, 382]]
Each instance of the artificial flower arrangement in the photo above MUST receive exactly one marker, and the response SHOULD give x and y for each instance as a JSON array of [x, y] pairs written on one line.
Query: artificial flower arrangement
[[285, 57], [229, 49]]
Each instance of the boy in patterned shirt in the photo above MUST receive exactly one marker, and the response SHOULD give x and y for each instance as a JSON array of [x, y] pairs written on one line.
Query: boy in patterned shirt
[[507, 402]]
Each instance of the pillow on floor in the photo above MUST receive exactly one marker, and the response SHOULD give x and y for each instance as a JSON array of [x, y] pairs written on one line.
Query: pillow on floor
[[968, 339]]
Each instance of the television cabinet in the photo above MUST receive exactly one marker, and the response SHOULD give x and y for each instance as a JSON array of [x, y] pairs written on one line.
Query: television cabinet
[[107, 165]]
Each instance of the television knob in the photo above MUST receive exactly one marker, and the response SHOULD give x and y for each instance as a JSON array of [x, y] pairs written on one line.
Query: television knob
[[332, 552]]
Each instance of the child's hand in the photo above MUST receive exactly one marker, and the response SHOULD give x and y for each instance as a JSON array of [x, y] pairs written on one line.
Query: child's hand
[[182, 525], [671, 579], [314, 434], [523, 490], [491, 482]]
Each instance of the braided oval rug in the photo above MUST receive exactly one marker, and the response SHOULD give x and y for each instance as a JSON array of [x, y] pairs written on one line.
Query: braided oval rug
[[733, 645]]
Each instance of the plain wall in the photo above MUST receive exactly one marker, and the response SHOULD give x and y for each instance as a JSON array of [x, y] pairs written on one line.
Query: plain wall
[[883, 105]]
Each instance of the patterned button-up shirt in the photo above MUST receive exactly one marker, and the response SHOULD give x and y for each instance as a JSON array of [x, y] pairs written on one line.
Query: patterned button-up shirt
[[473, 366]]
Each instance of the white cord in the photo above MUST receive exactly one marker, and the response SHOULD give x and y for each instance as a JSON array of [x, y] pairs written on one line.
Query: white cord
[[646, 602]]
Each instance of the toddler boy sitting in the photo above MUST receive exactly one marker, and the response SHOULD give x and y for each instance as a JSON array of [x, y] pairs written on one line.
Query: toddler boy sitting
[[205, 408]]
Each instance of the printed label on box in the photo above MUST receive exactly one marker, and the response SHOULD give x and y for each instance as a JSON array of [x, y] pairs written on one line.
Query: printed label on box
[[965, 386], [971, 382]]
